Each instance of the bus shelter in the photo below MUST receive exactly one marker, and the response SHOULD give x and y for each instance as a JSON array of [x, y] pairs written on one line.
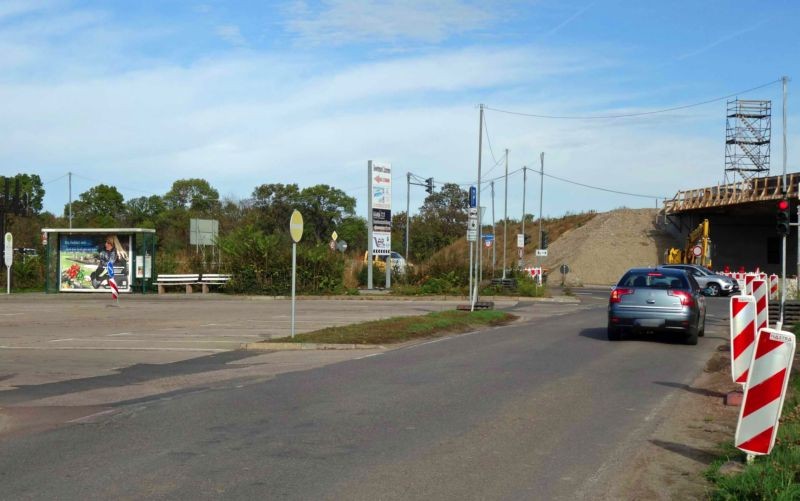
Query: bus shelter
[[76, 259]]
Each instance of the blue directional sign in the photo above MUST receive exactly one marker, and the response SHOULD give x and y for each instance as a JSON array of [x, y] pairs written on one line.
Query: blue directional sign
[[473, 197]]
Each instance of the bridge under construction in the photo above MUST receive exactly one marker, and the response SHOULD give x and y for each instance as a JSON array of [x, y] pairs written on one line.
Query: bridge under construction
[[742, 221]]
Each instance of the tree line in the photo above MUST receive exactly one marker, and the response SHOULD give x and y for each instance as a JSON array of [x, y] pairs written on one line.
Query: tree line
[[253, 231]]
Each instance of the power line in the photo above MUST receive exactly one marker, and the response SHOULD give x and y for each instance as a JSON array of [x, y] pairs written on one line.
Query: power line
[[489, 141], [599, 188], [629, 115]]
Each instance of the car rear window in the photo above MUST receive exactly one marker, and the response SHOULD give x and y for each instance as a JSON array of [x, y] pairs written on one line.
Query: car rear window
[[654, 280]]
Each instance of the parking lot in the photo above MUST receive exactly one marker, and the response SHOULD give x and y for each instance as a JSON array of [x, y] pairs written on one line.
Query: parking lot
[[46, 338]]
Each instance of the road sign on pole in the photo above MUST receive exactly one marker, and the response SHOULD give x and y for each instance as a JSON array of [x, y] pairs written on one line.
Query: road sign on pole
[[296, 230]]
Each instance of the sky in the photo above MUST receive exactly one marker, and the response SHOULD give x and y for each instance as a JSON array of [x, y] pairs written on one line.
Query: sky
[[242, 93]]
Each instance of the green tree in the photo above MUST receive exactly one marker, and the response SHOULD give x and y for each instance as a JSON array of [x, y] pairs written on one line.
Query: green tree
[[193, 194], [323, 209], [101, 205], [144, 211], [273, 205], [31, 192]]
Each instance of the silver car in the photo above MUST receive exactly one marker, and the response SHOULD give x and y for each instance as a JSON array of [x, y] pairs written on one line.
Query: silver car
[[657, 300], [711, 283]]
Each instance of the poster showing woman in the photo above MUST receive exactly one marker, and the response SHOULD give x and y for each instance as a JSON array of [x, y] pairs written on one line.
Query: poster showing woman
[[83, 261]]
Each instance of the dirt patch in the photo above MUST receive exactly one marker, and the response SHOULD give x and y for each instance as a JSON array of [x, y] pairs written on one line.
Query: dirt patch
[[601, 250], [671, 465]]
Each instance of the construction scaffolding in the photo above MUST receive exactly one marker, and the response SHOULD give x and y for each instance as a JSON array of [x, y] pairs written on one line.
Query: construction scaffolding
[[748, 130]]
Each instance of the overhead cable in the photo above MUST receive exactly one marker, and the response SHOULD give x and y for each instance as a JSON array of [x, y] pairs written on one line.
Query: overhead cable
[[630, 115]]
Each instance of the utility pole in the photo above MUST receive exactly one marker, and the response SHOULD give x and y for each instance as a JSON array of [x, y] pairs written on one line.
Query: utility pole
[[505, 220], [785, 81], [541, 195], [70, 199], [494, 233], [524, 194], [408, 214], [478, 204]]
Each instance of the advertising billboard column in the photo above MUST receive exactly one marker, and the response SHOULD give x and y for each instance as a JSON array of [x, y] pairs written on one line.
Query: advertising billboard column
[[379, 211]]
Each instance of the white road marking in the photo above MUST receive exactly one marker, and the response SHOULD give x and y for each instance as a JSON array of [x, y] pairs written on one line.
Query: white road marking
[[60, 340], [106, 348], [92, 416], [121, 334]]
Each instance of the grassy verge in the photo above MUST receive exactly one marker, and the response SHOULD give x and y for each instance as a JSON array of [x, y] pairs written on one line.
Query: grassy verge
[[399, 329], [776, 476]]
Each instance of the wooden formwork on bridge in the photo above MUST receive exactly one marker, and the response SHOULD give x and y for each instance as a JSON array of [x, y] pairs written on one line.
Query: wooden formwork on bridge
[[754, 190]]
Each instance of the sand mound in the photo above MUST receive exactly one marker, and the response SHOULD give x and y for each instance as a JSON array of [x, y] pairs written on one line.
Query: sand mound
[[599, 252]]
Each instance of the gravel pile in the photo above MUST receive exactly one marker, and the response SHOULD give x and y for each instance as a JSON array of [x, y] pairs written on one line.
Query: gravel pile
[[599, 252]]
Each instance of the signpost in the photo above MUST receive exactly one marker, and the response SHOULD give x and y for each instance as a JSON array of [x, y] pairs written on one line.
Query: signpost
[[9, 257], [379, 210], [541, 252], [296, 230]]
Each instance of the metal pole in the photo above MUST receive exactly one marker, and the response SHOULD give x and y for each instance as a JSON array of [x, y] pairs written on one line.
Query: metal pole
[[505, 220], [785, 81], [524, 193], [470, 272], [369, 225], [70, 199], [494, 234], [408, 214], [541, 197], [294, 279], [480, 221]]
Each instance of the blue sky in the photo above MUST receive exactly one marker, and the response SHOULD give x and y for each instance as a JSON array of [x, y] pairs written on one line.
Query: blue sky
[[139, 94]]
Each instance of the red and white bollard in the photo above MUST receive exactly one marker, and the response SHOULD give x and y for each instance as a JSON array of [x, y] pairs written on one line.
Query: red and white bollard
[[774, 294], [748, 283], [743, 333], [762, 305], [765, 391]]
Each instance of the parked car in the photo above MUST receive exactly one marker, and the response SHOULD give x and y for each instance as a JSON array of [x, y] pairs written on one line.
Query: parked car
[[710, 282], [657, 300], [399, 264]]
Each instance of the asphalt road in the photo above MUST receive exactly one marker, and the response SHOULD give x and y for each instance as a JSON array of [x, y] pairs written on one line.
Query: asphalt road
[[543, 409]]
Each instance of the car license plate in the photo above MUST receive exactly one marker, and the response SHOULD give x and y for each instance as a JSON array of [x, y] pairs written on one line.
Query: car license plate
[[650, 322]]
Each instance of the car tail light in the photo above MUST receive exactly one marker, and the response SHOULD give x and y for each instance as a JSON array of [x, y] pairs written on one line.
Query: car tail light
[[616, 294], [685, 297]]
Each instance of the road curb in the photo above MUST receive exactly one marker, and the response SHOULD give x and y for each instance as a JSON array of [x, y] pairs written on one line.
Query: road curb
[[308, 346]]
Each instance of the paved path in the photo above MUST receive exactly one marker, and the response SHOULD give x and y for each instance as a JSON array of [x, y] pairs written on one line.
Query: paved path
[[543, 409]]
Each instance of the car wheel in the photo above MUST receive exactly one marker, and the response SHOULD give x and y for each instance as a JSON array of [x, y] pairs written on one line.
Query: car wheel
[[614, 334], [713, 289], [691, 338]]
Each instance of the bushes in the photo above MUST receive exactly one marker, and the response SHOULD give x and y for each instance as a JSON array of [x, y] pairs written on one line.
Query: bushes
[[27, 274], [262, 264]]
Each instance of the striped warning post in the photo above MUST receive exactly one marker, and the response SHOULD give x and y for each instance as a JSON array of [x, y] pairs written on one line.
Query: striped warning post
[[773, 287], [762, 305], [748, 284], [764, 392], [743, 333]]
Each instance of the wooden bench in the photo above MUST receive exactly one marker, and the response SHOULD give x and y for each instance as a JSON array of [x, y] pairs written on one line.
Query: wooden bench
[[204, 280], [207, 279], [187, 280]]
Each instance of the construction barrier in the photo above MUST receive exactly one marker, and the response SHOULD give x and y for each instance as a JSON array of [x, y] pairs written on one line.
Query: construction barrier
[[774, 293], [743, 332], [764, 391], [762, 304], [535, 273]]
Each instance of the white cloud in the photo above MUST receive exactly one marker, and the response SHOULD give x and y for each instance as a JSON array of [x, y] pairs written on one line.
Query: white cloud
[[345, 21], [231, 34]]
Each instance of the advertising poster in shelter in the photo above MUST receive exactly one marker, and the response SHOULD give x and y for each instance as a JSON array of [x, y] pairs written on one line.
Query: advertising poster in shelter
[[83, 259]]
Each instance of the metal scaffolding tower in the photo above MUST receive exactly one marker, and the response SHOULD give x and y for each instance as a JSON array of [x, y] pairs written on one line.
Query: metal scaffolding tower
[[748, 130]]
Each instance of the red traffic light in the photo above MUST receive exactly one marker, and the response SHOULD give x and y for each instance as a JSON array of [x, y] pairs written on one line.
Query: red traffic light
[[783, 205]]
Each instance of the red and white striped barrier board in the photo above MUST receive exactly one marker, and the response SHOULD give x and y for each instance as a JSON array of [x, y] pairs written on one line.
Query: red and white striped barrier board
[[743, 333], [748, 284], [773, 287], [764, 392], [536, 274], [762, 305]]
